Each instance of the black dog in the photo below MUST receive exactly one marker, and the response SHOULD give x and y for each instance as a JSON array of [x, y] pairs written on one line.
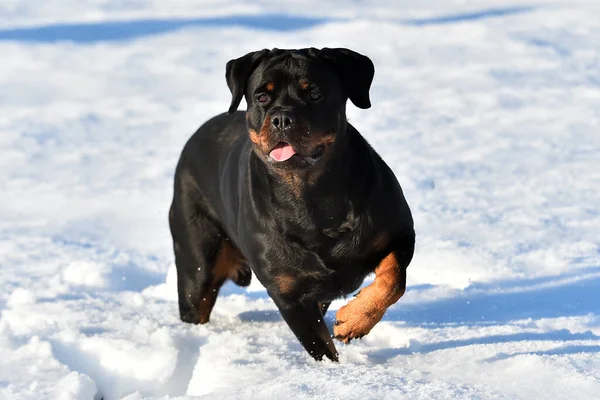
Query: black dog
[[292, 191]]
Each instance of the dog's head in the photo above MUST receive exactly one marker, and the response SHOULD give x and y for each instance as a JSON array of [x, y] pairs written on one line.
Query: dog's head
[[297, 101]]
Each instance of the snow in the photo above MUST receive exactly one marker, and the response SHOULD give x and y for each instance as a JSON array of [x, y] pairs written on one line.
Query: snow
[[488, 113], [21, 13]]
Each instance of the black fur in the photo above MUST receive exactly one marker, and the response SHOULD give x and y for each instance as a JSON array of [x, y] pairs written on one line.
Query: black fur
[[306, 226]]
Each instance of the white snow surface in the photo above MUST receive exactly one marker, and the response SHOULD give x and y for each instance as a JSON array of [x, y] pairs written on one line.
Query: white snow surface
[[491, 124]]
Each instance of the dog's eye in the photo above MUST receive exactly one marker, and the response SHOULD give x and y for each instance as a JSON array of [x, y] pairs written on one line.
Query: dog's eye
[[314, 96], [262, 98]]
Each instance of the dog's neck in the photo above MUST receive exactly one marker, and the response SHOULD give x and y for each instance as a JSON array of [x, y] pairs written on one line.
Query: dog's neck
[[328, 196], [345, 181]]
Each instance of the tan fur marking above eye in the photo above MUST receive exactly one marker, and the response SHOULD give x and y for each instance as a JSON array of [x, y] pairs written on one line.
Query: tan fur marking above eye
[[358, 317], [270, 86], [304, 85]]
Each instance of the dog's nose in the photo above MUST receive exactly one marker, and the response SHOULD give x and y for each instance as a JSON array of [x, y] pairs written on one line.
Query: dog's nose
[[282, 120]]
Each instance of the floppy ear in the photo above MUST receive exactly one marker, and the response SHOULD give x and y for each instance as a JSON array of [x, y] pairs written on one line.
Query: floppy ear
[[356, 72], [237, 73]]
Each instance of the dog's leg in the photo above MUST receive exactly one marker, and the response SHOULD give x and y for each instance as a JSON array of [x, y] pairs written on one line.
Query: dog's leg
[[195, 242], [204, 258], [229, 263], [324, 307], [188, 287], [243, 277], [306, 321], [358, 317]]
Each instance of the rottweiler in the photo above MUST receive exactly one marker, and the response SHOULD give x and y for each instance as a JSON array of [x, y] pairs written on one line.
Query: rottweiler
[[290, 190]]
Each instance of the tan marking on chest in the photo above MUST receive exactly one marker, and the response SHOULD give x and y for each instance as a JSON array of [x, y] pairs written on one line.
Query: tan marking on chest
[[294, 182], [285, 284]]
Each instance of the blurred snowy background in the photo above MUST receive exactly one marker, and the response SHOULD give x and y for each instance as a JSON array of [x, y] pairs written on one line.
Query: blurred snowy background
[[487, 111]]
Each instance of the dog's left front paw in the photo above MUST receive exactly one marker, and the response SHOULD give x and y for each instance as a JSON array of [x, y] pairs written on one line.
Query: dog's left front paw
[[357, 318]]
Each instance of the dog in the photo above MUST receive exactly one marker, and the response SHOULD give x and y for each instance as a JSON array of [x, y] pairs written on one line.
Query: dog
[[291, 191]]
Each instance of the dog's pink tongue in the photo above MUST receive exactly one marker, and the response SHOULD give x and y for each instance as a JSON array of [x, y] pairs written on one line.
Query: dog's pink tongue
[[282, 152]]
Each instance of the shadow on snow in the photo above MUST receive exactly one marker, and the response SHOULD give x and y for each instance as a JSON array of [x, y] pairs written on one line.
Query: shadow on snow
[[124, 30], [476, 306], [483, 304]]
